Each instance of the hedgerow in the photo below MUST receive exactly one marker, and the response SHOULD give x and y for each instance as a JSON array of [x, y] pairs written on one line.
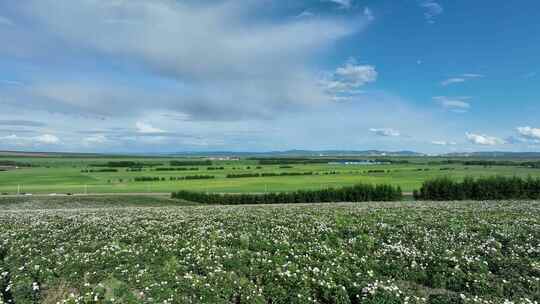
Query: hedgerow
[[357, 193], [484, 188]]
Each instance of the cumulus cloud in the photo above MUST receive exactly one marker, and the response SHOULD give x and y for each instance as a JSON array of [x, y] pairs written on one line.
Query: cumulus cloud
[[454, 104], [348, 78], [460, 79], [529, 132], [47, 139], [431, 10], [482, 139], [387, 132]]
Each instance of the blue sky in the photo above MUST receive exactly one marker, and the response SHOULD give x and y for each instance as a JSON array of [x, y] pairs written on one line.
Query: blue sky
[[244, 75]]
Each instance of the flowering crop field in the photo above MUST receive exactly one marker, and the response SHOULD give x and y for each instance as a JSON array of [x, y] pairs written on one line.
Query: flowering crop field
[[481, 252]]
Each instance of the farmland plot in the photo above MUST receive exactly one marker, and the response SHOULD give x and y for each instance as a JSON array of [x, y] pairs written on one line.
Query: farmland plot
[[483, 252]]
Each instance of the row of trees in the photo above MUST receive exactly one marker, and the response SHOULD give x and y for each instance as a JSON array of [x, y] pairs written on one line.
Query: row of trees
[[177, 169], [270, 174], [172, 178], [286, 174], [179, 163], [126, 164], [358, 193], [99, 170], [484, 188]]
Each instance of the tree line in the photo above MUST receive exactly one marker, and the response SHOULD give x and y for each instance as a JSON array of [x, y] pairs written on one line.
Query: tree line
[[126, 164], [247, 175], [179, 163], [357, 193], [177, 169], [483, 188], [99, 170], [172, 178]]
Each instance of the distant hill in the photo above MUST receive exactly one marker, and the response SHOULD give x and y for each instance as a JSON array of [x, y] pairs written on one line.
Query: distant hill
[[304, 153], [496, 154]]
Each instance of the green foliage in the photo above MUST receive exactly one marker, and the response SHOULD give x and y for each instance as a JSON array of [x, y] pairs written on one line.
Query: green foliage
[[358, 193], [172, 178], [484, 188], [179, 163], [372, 253]]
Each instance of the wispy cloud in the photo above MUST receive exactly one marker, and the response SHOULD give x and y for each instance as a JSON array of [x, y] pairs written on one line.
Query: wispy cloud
[[461, 78], [11, 82], [260, 81], [146, 128], [341, 3], [22, 123], [432, 9], [44, 139], [443, 143], [485, 140], [454, 104], [387, 132]]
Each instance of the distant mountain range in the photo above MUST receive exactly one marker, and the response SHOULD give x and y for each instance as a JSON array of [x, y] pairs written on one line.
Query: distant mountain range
[[288, 153], [496, 154], [304, 153]]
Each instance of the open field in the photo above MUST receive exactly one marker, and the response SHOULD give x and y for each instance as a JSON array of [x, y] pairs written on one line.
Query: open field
[[96, 250], [64, 175]]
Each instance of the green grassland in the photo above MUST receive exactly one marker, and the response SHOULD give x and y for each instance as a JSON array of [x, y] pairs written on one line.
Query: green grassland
[[63, 175]]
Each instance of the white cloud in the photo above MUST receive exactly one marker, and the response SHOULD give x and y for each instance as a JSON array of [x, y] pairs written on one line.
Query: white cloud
[[95, 139], [44, 139], [450, 81], [461, 78], [9, 137], [388, 132], [454, 104], [305, 14], [349, 78], [341, 3], [207, 48], [146, 128], [443, 143], [482, 139], [529, 132], [47, 139], [432, 10]]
